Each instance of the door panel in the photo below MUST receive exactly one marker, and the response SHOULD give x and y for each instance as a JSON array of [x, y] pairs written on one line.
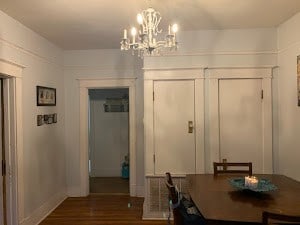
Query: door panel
[[240, 106], [173, 112]]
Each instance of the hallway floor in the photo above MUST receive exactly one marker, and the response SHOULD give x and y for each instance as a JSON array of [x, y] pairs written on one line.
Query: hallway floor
[[100, 210], [109, 185]]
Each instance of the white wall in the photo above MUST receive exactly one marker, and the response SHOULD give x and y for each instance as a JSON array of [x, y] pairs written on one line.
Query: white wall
[[98, 64], [288, 111], [220, 48], [43, 148], [108, 144]]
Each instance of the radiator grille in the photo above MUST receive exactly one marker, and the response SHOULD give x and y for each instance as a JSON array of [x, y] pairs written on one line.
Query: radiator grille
[[156, 198]]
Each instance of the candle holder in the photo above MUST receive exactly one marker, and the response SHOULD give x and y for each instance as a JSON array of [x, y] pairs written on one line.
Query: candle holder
[[251, 182]]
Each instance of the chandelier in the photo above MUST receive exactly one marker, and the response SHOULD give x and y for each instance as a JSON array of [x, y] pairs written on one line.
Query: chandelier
[[144, 39]]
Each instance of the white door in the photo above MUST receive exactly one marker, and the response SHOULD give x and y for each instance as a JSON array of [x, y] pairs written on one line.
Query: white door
[[174, 135], [240, 105]]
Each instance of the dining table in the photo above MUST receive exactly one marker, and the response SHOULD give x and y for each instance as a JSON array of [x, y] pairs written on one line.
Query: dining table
[[218, 200]]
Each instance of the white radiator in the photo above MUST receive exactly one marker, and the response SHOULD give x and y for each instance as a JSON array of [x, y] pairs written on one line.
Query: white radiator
[[156, 196]]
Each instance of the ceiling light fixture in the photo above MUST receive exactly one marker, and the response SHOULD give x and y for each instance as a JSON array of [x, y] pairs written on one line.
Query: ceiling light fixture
[[144, 39]]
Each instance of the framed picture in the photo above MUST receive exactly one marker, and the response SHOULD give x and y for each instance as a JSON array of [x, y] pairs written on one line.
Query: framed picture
[[40, 120], [55, 118], [45, 96]]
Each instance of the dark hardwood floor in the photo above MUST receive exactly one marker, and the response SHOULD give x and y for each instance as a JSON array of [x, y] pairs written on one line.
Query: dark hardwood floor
[[100, 210]]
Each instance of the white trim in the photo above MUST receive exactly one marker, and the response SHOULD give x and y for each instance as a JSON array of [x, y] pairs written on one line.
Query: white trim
[[239, 72], [29, 52], [199, 125], [176, 74], [84, 85], [214, 75], [14, 93], [207, 53], [10, 69], [44, 210]]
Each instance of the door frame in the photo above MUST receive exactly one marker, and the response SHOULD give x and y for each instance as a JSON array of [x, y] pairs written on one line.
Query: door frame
[[85, 85], [12, 74], [151, 75], [213, 75]]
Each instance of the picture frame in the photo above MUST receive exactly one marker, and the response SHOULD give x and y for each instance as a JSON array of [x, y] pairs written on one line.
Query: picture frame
[[55, 118], [40, 120], [45, 96]]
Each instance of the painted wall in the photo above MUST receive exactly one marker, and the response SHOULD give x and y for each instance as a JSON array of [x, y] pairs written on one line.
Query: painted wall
[[43, 147], [98, 64], [108, 134], [220, 48], [288, 111]]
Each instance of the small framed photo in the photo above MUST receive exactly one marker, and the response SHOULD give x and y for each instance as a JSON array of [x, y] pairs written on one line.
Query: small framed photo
[[40, 120], [50, 119], [55, 118], [46, 118], [45, 96]]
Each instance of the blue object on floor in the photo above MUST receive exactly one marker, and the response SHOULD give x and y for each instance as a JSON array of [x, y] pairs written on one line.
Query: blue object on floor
[[125, 170]]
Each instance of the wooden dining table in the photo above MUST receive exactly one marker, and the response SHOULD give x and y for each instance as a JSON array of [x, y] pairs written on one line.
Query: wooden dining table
[[217, 200]]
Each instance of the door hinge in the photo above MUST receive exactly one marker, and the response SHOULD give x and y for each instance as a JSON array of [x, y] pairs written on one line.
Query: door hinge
[[154, 158], [153, 95], [3, 168], [262, 94]]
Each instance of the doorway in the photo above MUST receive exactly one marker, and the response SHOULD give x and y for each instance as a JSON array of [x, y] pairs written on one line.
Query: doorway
[[3, 215], [8, 180], [85, 85], [109, 141]]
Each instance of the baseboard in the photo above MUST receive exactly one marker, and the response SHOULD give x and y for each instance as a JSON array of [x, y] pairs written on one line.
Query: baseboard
[[44, 210]]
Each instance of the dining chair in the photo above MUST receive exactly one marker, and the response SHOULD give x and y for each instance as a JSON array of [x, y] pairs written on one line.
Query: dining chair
[[267, 216], [184, 210], [232, 167], [173, 198]]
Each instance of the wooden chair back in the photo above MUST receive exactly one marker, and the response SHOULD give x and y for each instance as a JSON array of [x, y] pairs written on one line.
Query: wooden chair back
[[173, 196], [267, 216], [230, 168]]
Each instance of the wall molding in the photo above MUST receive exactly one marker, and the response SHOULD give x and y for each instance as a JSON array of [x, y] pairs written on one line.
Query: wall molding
[[44, 210], [30, 53], [208, 53]]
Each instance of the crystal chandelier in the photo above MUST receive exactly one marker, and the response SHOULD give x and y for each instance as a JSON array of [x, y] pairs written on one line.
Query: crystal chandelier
[[144, 40]]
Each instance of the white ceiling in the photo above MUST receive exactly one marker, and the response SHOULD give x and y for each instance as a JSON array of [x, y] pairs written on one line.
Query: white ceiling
[[96, 24]]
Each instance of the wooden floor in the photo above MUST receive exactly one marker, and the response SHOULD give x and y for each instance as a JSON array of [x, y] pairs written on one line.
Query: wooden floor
[[100, 210], [109, 185]]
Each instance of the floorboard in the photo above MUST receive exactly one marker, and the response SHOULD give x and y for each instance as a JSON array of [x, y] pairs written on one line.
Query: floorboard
[[100, 210], [109, 185]]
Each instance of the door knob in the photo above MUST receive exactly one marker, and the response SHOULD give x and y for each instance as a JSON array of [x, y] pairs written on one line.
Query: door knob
[[190, 126]]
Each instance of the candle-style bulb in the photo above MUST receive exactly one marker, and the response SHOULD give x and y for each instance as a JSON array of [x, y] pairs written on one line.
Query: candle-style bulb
[[133, 31], [174, 28], [140, 19]]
